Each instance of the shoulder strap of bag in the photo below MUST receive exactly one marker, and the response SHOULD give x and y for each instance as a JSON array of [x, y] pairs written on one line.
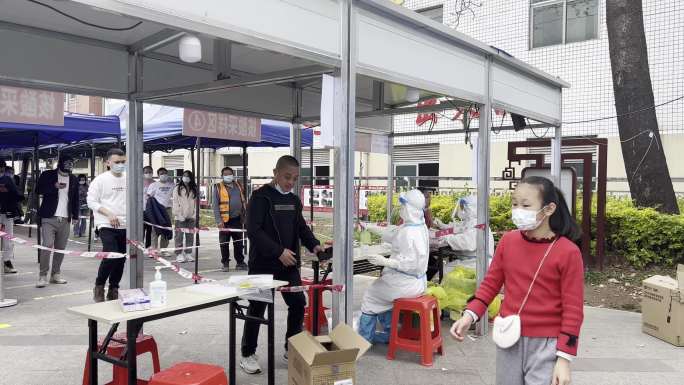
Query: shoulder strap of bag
[[529, 290]]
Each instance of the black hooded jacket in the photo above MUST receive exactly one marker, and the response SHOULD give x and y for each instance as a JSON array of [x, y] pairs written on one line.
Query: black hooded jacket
[[274, 223]]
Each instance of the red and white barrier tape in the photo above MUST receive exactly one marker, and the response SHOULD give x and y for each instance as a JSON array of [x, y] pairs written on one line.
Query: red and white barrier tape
[[86, 254], [175, 267], [194, 230]]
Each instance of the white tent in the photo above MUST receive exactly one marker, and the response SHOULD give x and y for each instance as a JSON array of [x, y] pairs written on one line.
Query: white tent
[[266, 58]]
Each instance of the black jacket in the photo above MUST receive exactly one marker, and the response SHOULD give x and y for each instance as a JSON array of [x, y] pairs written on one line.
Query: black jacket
[[266, 233], [156, 213], [50, 193], [9, 197]]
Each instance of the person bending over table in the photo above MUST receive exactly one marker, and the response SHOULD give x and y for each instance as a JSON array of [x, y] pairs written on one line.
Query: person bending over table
[[404, 273], [275, 227]]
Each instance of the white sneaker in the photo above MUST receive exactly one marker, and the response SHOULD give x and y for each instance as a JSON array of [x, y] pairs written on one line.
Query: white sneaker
[[42, 281], [189, 258], [250, 364], [180, 258], [56, 278]]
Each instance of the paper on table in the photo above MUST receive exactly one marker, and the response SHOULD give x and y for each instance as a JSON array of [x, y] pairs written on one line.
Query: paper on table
[[213, 288], [251, 281]]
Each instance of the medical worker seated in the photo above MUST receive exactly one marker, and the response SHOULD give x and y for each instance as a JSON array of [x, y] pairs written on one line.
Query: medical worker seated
[[403, 275]]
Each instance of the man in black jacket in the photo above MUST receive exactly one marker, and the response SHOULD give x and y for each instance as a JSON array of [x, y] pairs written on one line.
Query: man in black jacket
[[275, 227], [60, 206], [9, 204]]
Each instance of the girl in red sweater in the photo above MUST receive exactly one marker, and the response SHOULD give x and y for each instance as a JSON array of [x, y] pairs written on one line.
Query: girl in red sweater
[[553, 312]]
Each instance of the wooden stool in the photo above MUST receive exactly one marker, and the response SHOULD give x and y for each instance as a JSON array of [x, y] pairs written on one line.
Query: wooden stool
[[143, 344], [190, 373], [424, 339]]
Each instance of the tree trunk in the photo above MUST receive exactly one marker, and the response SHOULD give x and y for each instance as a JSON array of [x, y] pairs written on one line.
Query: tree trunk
[[647, 172]]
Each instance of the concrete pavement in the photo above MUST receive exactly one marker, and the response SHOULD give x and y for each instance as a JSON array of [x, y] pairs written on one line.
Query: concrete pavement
[[41, 344]]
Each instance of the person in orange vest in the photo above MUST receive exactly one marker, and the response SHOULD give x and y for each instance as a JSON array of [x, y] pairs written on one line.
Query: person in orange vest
[[229, 213]]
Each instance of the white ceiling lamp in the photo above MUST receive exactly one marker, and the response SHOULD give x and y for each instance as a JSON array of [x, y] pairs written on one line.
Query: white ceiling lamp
[[190, 49], [412, 95]]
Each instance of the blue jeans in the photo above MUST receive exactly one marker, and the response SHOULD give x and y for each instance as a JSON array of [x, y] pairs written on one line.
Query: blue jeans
[[368, 324]]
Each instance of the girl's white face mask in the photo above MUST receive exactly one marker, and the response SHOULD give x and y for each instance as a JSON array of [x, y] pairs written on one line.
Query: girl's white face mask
[[526, 220]]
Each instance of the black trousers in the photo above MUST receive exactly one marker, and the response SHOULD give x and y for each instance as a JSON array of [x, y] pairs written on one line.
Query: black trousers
[[147, 234], [113, 240], [238, 239], [296, 304]]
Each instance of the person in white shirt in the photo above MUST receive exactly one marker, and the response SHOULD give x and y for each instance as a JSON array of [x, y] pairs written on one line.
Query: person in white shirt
[[162, 191], [107, 199], [184, 206]]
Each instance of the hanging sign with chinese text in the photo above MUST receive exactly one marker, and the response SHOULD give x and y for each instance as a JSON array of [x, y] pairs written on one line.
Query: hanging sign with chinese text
[[207, 124], [29, 106]]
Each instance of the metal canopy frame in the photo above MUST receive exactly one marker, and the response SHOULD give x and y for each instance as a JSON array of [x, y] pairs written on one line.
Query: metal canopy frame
[[373, 46]]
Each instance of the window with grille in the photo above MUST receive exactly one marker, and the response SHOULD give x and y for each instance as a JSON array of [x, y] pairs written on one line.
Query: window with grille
[[554, 22]]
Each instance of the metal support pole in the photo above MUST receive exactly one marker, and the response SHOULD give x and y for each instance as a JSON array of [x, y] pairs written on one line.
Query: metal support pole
[[483, 148], [390, 173], [244, 187], [134, 153], [345, 120], [197, 205], [556, 157], [36, 198], [296, 133], [311, 183], [92, 176]]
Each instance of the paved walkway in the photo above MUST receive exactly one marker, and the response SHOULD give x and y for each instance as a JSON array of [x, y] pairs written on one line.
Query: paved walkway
[[41, 344]]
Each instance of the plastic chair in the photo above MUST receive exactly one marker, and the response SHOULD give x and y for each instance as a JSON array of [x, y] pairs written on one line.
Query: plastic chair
[[424, 339], [190, 373], [143, 344]]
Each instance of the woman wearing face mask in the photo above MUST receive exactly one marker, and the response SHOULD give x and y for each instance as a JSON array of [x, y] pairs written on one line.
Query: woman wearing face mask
[[80, 226], [544, 275], [184, 206], [404, 273], [148, 179]]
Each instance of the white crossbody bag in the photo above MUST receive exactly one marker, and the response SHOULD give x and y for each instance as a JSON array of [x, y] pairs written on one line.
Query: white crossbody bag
[[506, 330]]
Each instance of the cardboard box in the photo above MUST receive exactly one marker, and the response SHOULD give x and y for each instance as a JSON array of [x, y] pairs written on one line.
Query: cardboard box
[[662, 309], [325, 360]]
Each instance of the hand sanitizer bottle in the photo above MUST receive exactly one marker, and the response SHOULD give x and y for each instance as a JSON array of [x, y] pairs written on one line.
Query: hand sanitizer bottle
[[158, 289]]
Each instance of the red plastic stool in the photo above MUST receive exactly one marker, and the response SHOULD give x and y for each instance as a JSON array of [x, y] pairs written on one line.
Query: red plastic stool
[[308, 319], [143, 344], [421, 340], [190, 373]]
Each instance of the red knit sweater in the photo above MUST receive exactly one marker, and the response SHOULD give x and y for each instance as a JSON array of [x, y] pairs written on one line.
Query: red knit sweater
[[555, 305]]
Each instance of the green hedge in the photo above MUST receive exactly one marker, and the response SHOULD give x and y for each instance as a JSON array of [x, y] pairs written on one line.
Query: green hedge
[[642, 236]]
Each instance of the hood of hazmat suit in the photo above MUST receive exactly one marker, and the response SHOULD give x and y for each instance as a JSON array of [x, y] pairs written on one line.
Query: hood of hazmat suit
[[404, 274], [464, 238]]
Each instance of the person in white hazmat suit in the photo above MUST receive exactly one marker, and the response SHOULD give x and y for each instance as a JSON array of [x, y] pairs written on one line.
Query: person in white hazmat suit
[[403, 275], [464, 238]]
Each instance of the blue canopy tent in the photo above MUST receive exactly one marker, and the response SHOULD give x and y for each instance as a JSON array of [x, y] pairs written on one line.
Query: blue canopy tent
[[163, 130], [77, 128]]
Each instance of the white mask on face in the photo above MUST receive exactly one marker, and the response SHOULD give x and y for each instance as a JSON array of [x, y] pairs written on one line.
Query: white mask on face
[[118, 168], [526, 220], [228, 178], [81, 182], [148, 175], [163, 178], [186, 179]]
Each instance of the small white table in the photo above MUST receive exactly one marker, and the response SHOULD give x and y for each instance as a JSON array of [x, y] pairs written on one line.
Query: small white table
[[179, 301]]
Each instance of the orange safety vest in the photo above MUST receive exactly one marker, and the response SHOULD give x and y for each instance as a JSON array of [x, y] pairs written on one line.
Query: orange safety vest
[[224, 200]]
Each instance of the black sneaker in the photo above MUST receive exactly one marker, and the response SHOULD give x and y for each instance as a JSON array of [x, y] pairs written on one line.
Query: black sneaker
[[241, 266], [9, 268], [225, 268]]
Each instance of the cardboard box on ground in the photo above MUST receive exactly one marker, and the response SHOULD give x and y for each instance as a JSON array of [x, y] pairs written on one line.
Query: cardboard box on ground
[[662, 307], [325, 360]]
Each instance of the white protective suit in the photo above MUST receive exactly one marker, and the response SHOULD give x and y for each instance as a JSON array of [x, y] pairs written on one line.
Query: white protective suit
[[404, 273], [464, 237]]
